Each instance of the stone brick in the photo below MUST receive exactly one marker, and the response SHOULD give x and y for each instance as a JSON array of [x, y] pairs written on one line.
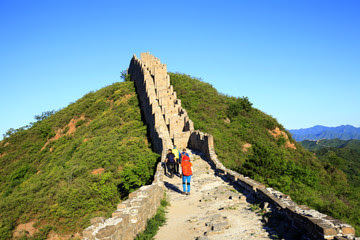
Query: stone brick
[[97, 220], [106, 232], [87, 233], [220, 226], [326, 229], [348, 230], [121, 206]]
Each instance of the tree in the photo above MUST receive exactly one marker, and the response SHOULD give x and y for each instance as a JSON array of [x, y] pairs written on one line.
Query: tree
[[125, 76], [44, 115]]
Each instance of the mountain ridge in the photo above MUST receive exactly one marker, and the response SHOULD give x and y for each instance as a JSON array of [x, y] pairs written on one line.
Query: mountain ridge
[[317, 132]]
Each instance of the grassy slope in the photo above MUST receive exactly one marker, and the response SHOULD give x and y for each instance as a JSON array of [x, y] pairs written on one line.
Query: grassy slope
[[55, 186], [233, 122]]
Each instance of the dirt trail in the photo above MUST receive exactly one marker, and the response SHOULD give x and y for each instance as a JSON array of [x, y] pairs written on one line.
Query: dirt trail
[[214, 210]]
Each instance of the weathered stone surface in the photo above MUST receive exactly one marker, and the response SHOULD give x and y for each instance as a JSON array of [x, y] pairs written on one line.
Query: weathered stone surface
[[87, 233], [220, 226], [106, 232], [348, 230], [326, 229], [97, 220]]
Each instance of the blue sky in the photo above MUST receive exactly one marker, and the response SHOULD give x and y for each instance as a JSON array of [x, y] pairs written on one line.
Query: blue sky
[[298, 61]]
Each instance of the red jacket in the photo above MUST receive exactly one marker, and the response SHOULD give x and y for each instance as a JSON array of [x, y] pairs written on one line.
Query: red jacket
[[186, 167]]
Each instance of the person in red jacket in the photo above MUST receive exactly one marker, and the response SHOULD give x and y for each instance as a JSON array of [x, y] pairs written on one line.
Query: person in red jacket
[[186, 167]]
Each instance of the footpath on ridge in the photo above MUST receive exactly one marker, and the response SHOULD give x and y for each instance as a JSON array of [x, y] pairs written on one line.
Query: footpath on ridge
[[215, 209]]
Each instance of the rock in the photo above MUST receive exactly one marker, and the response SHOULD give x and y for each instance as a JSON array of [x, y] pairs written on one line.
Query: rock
[[193, 220], [202, 238], [215, 216], [97, 220], [106, 232], [220, 226], [211, 233]]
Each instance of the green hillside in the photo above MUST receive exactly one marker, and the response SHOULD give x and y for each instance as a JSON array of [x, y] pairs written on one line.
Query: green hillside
[[255, 144], [344, 154], [74, 164]]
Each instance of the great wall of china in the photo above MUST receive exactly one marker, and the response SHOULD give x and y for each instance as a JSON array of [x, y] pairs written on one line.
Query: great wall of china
[[168, 125]]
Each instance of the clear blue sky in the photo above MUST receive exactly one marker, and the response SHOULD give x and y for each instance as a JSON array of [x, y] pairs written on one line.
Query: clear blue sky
[[298, 61]]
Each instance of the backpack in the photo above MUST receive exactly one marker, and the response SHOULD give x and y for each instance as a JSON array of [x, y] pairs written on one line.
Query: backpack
[[171, 158], [185, 157], [176, 153], [186, 167]]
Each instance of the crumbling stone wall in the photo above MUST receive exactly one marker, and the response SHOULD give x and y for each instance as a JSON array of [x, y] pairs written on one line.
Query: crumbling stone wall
[[311, 222], [131, 215]]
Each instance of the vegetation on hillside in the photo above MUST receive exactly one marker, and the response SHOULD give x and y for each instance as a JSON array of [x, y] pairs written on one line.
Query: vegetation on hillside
[[343, 154], [255, 144], [74, 164]]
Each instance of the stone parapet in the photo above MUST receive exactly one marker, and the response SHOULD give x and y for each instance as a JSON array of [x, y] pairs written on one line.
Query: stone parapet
[[314, 224], [131, 215]]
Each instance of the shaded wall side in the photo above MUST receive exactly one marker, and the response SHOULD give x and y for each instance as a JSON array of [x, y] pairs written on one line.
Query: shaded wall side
[[149, 105]]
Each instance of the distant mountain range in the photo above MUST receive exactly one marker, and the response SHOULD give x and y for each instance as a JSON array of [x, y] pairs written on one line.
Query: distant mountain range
[[343, 132]]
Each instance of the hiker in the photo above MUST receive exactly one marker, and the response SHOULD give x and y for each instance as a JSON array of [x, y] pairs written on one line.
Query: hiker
[[170, 162], [177, 155], [182, 154], [186, 167]]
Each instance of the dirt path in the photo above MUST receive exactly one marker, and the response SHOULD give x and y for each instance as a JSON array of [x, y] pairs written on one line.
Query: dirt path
[[214, 210]]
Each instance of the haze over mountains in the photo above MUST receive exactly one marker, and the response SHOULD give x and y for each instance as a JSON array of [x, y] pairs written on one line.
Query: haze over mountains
[[343, 132]]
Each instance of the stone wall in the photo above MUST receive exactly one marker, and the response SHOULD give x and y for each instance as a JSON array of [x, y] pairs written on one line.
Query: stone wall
[[131, 215], [311, 222], [167, 121]]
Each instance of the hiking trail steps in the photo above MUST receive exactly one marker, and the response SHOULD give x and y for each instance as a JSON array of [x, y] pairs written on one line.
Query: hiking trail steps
[[213, 210]]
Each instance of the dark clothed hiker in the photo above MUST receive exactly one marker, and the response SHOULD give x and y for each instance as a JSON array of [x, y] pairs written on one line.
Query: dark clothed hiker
[[186, 167], [170, 162], [176, 153]]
